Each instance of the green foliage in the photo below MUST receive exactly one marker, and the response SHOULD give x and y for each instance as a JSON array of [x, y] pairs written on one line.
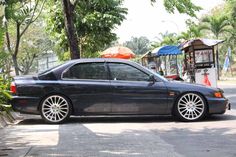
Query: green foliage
[[193, 31], [166, 39], [139, 45], [182, 6], [5, 94], [216, 24], [23, 12], [5, 62], [230, 10], [2, 33], [92, 54], [20, 14], [94, 22], [34, 44]]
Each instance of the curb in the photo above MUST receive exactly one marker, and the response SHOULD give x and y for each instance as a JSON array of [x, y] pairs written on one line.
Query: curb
[[2, 122], [8, 118]]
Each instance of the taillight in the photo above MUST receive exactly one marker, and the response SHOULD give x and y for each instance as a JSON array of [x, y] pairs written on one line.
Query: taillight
[[13, 88]]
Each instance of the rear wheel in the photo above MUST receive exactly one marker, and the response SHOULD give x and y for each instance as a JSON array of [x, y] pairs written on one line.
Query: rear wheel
[[55, 109], [191, 107]]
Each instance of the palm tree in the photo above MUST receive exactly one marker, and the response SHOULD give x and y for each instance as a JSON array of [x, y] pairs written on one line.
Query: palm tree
[[217, 25], [139, 45], [194, 31], [168, 39]]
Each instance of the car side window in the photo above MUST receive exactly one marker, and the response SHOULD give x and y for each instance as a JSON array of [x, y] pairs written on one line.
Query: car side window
[[96, 71], [120, 71]]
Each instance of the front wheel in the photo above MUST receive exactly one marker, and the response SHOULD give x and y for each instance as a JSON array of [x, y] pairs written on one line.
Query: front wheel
[[190, 107], [55, 109]]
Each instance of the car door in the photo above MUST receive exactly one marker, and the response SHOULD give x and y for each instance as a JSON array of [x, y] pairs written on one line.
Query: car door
[[134, 93], [88, 87]]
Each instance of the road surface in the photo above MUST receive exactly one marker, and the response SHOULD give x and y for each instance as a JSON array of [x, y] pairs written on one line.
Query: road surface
[[159, 136]]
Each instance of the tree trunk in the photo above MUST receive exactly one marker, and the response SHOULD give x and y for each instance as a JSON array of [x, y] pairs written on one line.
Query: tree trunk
[[68, 9], [15, 63], [80, 50], [14, 56], [217, 62], [217, 59]]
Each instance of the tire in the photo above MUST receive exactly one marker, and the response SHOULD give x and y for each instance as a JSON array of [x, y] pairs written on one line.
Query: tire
[[190, 107], [55, 109]]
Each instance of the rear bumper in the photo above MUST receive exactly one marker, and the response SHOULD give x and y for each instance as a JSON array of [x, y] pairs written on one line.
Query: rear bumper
[[218, 105], [25, 104]]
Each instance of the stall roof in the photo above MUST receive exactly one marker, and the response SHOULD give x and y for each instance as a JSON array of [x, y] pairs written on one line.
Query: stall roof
[[208, 42], [146, 54], [167, 50]]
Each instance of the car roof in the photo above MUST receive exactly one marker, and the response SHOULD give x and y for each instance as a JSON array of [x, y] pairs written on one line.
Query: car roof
[[100, 60]]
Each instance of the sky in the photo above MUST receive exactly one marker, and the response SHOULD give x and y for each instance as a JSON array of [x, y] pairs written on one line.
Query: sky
[[143, 19]]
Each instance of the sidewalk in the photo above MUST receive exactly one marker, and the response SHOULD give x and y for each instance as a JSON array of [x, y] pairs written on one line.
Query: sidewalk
[[226, 82]]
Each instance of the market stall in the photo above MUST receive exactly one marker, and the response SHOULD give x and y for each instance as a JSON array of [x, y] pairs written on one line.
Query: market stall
[[168, 55], [150, 61], [199, 61], [164, 59]]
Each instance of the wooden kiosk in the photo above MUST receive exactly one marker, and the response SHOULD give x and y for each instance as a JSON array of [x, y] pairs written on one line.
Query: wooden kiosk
[[199, 61]]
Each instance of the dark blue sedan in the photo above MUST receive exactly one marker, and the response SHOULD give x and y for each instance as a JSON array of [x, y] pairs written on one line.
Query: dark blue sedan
[[111, 87]]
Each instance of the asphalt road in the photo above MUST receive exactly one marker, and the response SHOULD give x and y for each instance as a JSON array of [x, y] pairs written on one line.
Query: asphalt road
[[159, 136]]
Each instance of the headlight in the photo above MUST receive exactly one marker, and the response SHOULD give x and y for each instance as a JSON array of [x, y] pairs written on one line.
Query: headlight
[[218, 95]]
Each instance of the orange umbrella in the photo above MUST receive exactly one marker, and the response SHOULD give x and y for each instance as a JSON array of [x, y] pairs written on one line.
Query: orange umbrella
[[118, 52]]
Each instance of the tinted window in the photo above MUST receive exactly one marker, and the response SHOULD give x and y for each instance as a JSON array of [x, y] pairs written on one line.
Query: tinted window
[[87, 71], [126, 72]]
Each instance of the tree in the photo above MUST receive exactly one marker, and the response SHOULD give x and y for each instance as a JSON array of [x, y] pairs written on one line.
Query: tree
[[193, 31], [182, 6], [139, 45], [93, 22], [166, 39], [230, 10], [21, 14], [217, 25], [2, 13], [68, 9], [34, 44]]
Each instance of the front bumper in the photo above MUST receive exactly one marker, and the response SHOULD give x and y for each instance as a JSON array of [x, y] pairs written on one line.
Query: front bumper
[[25, 104], [218, 105], [228, 106]]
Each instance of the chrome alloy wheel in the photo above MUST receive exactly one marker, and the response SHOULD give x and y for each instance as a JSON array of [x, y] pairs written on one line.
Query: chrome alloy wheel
[[55, 108], [191, 106]]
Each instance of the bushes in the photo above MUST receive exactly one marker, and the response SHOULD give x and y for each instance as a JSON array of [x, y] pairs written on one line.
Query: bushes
[[5, 94]]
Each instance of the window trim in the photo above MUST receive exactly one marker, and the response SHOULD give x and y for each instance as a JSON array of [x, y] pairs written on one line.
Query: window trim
[[70, 79]]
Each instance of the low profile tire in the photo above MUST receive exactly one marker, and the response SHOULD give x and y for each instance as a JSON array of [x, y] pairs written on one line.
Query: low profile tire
[[190, 107], [55, 109]]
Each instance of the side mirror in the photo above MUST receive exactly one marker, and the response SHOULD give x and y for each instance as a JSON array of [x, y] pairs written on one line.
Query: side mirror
[[152, 79]]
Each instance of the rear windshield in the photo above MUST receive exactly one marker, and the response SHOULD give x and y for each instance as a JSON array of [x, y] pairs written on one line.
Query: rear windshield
[[48, 70]]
